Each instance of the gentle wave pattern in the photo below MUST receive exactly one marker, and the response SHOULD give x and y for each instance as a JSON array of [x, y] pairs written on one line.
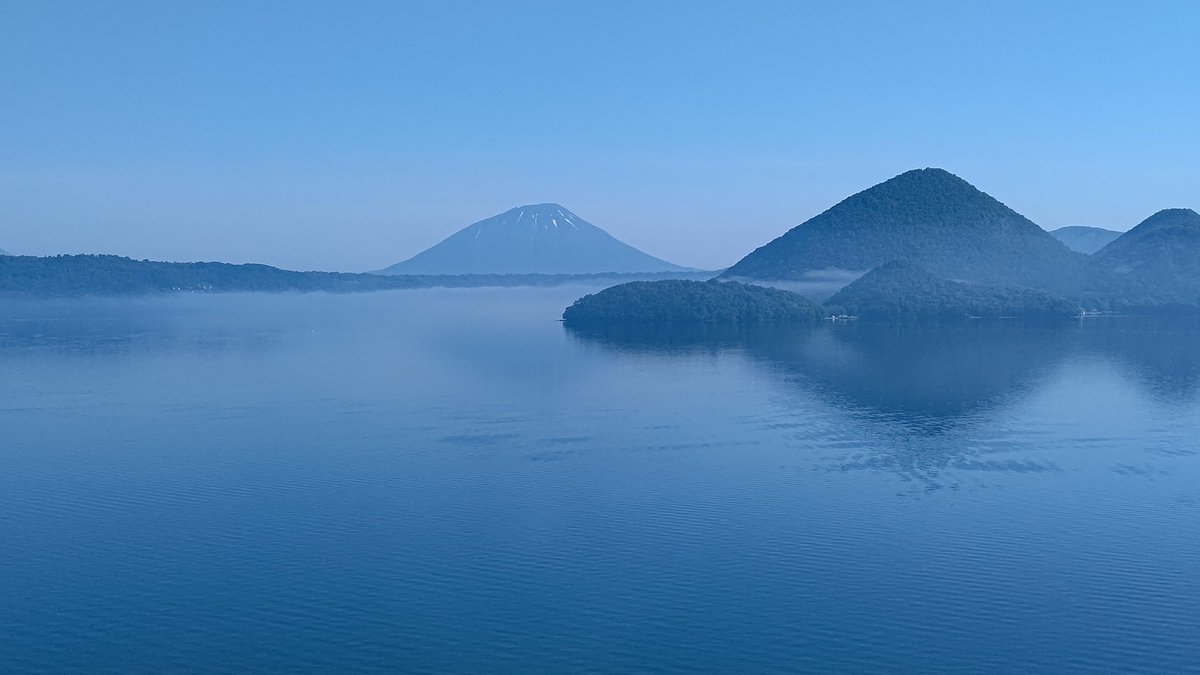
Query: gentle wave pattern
[[449, 481]]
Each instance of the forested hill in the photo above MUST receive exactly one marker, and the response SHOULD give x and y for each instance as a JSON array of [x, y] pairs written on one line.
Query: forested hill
[[902, 291], [928, 216], [679, 302], [1155, 263]]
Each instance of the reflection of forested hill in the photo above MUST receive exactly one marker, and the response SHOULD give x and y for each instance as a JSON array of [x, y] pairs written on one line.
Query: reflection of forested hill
[[925, 372], [922, 388], [925, 388], [929, 371], [1161, 354], [938, 372]]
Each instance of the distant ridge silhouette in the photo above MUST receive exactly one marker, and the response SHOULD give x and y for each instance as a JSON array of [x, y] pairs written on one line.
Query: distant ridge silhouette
[[1083, 239]]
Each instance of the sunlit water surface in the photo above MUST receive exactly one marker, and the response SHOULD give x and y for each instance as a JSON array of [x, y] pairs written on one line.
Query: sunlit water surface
[[450, 481]]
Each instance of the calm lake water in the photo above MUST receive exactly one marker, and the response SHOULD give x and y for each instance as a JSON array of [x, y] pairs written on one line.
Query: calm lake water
[[451, 481]]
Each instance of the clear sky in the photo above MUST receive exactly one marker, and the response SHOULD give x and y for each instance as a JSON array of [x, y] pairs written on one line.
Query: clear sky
[[350, 135]]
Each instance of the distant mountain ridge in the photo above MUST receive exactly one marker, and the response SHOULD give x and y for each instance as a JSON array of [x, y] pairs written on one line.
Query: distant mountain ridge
[[928, 216], [538, 238], [1086, 240], [3, 252], [99, 275]]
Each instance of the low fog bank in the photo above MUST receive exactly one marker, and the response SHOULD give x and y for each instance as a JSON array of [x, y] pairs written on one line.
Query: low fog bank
[[817, 285]]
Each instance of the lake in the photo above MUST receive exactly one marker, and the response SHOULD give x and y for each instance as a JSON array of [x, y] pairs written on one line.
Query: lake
[[450, 481]]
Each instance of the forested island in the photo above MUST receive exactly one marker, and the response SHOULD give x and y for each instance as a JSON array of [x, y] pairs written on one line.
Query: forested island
[[681, 302], [897, 292]]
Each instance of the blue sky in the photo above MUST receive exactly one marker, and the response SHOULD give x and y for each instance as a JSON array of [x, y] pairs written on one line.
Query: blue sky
[[350, 135]]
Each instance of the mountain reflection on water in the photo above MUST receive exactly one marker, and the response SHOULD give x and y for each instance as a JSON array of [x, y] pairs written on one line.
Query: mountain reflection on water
[[940, 371], [450, 481], [925, 387]]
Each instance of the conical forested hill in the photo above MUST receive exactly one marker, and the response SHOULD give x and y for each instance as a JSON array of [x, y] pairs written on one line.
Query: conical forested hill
[[1156, 262], [930, 217]]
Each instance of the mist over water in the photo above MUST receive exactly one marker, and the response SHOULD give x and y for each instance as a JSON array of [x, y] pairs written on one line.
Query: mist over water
[[450, 480], [817, 286]]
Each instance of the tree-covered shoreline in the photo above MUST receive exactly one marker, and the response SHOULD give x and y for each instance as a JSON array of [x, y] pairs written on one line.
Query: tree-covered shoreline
[[106, 275]]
